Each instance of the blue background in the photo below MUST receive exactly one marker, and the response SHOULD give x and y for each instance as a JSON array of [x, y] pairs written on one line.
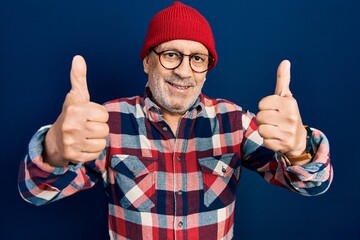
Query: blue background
[[321, 38]]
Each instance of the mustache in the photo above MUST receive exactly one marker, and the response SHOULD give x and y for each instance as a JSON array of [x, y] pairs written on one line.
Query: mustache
[[176, 79]]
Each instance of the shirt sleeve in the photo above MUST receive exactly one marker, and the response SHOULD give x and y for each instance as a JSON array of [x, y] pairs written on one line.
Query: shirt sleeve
[[40, 183], [311, 179]]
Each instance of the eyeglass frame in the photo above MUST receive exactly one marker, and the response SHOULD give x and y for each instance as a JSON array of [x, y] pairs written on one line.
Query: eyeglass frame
[[211, 59]]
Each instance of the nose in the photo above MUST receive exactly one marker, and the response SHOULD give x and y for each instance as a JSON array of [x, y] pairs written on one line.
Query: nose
[[184, 70]]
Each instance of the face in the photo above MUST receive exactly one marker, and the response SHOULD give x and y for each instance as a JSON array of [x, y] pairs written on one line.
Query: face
[[175, 91]]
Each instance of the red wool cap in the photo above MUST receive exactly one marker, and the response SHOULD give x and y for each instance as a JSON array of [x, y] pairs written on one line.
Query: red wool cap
[[179, 21]]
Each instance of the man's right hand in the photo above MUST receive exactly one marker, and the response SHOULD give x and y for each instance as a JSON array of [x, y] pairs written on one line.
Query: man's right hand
[[79, 134]]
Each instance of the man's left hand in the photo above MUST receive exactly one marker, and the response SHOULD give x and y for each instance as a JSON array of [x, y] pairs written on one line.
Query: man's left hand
[[279, 117]]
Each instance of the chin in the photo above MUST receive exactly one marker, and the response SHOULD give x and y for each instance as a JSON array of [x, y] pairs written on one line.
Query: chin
[[182, 105], [177, 110]]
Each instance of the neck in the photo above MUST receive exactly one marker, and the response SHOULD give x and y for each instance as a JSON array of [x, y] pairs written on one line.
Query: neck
[[172, 119]]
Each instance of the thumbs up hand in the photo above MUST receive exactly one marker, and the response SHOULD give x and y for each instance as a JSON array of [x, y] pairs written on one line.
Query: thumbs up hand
[[79, 133], [279, 118]]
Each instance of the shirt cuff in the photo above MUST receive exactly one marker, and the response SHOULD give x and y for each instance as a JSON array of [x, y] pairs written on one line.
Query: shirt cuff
[[35, 150]]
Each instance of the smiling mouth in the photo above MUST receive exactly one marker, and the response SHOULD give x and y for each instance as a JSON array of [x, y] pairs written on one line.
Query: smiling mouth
[[178, 86]]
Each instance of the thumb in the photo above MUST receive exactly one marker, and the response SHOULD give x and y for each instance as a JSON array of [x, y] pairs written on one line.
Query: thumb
[[78, 79], [282, 88]]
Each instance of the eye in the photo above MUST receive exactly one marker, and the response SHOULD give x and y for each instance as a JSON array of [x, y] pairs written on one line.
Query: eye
[[171, 55], [199, 58]]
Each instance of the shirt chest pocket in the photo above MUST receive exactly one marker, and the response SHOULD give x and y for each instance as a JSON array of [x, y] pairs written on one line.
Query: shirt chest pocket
[[134, 181], [220, 176]]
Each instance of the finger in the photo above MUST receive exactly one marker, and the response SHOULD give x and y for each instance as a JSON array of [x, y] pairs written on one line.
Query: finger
[[93, 145], [283, 80], [96, 130], [83, 153], [272, 102], [274, 144], [78, 79], [83, 112], [268, 131], [96, 112], [84, 157], [268, 117]]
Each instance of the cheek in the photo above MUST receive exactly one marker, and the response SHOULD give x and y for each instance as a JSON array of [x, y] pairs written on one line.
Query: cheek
[[154, 81], [200, 80], [155, 71]]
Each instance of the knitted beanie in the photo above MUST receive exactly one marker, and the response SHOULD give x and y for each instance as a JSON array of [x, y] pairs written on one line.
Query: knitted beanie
[[179, 21]]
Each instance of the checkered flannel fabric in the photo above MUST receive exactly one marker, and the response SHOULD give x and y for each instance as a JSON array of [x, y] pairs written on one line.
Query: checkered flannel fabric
[[165, 185]]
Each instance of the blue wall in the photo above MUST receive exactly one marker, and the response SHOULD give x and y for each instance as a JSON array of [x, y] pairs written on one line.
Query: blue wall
[[321, 38]]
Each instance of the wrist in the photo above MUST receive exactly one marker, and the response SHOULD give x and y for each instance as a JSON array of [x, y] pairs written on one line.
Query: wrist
[[300, 146], [305, 156], [51, 153]]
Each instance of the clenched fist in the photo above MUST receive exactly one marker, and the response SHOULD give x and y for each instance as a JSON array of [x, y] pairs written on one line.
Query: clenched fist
[[79, 133]]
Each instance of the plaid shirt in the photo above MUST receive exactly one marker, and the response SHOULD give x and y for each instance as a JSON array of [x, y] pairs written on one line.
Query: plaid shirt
[[165, 185]]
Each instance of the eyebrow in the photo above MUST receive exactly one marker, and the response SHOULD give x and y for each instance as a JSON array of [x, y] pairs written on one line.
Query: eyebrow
[[177, 50]]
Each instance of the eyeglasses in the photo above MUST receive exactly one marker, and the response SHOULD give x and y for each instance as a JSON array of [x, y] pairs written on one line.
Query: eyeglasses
[[171, 59]]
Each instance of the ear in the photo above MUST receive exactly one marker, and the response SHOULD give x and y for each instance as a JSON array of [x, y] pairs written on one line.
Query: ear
[[146, 64]]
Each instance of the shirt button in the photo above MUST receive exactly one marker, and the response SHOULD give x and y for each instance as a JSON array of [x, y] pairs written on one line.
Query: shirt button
[[179, 159], [180, 224], [223, 169], [165, 129], [179, 192]]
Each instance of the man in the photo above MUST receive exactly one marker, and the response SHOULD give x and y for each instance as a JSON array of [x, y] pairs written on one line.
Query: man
[[171, 159]]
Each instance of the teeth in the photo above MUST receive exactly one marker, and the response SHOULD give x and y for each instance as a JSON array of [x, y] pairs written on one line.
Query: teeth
[[179, 87]]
